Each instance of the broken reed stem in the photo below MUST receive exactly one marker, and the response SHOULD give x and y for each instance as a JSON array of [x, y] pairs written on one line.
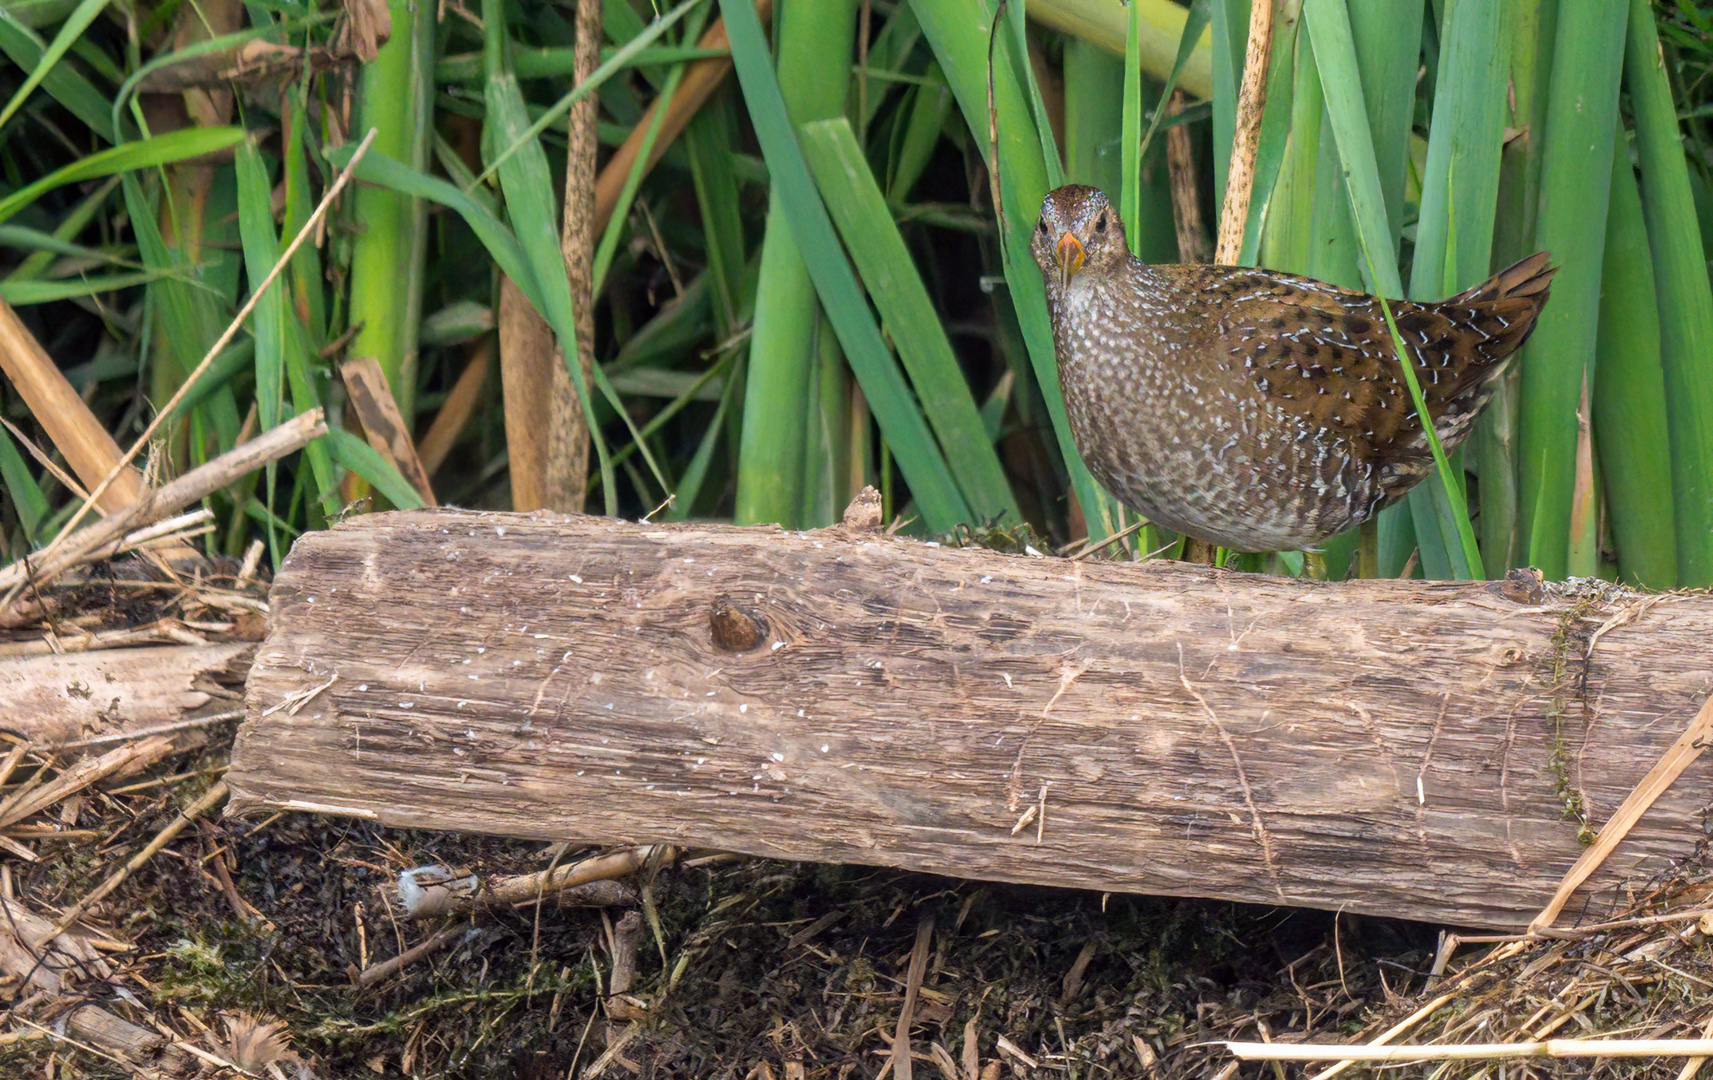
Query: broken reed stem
[[193, 486], [84, 773], [1665, 772], [531, 887], [384, 426], [231, 330], [65, 418], [544, 885], [507, 892], [210, 798], [1553, 1048], [1251, 101]]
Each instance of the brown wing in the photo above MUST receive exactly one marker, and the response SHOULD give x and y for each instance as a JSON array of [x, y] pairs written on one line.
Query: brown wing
[[1326, 353]]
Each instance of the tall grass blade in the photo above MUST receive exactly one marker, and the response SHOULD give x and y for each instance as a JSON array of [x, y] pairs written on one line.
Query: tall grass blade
[[1493, 445], [621, 58], [1130, 190], [62, 82], [280, 355], [617, 222], [930, 106], [1230, 20], [1576, 176], [884, 263], [268, 320], [957, 32], [888, 396], [1460, 182], [1388, 39], [21, 488], [189, 306], [388, 255], [361, 458], [138, 154], [26, 293], [1286, 239], [781, 448], [707, 141], [1685, 300], [530, 203], [1347, 112], [1018, 55], [72, 29], [1105, 24], [1460, 185], [1630, 411], [1275, 126]]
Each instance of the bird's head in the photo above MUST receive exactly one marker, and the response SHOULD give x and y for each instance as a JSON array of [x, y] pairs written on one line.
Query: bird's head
[[1079, 233]]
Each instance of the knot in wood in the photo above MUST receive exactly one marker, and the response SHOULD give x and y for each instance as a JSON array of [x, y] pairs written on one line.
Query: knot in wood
[[736, 629]]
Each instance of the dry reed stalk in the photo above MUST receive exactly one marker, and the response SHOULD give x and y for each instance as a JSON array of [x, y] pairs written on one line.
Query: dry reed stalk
[[64, 416], [527, 888], [384, 427], [901, 1066], [527, 390], [131, 757], [1665, 772], [1553, 1048], [568, 435], [1251, 101], [1186, 204], [104, 538], [460, 405]]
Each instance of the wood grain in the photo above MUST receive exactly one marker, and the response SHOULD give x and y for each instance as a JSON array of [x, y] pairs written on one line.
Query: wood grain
[[65, 698], [1399, 748]]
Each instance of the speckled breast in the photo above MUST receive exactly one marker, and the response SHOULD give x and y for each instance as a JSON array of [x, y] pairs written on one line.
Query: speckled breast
[[1173, 427]]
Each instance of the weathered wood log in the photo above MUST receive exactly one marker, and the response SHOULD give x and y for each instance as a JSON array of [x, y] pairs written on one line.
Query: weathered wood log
[[83, 696], [1401, 748]]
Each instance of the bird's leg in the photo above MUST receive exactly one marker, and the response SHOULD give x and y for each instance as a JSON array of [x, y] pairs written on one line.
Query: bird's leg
[[1368, 549]]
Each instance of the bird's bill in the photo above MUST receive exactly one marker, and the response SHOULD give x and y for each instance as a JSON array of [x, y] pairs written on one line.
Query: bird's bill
[[1070, 258]]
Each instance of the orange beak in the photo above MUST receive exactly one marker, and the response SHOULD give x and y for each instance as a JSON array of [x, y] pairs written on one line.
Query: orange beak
[[1070, 253]]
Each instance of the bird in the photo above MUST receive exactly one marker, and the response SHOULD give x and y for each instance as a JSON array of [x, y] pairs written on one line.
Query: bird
[[1253, 409]]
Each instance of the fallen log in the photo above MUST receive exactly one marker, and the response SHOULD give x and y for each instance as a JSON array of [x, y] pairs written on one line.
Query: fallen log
[[1414, 749]]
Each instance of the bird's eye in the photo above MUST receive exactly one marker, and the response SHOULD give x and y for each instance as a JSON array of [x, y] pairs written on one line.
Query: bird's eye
[[1042, 228], [1100, 223]]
